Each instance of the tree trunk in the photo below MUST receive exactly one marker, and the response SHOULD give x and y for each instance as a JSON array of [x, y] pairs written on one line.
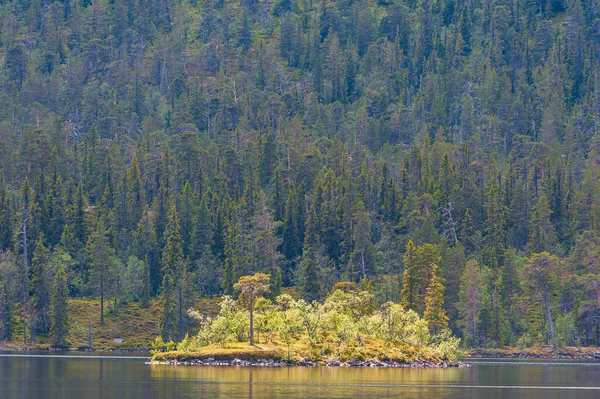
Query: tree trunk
[[102, 299], [25, 282], [89, 334], [550, 323], [474, 343], [180, 311], [250, 308]]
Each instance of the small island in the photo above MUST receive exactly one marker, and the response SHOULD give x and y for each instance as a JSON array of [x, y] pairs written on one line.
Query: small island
[[346, 329]]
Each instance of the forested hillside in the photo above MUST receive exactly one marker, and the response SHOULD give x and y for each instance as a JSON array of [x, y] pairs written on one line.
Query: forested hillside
[[439, 153]]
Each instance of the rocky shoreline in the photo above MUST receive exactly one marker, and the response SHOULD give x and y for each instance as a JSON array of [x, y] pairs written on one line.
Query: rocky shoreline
[[333, 363]]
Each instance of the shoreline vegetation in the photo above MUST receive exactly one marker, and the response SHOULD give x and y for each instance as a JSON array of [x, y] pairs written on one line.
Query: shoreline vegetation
[[276, 357], [346, 329]]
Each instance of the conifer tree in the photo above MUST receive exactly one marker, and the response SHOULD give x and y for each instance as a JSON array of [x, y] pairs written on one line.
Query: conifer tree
[[541, 272], [102, 260], [410, 279], [136, 201], [40, 289], [470, 299], [252, 286], [542, 235], [175, 297], [435, 314], [56, 205], [59, 309], [202, 228], [24, 244], [419, 263], [311, 286], [5, 216], [6, 313]]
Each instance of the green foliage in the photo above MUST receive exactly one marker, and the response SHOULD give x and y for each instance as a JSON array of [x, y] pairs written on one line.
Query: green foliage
[[524, 341], [6, 314], [344, 323], [435, 314], [158, 345], [342, 133], [59, 309]]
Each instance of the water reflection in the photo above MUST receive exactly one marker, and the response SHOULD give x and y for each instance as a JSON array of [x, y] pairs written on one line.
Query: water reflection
[[72, 377]]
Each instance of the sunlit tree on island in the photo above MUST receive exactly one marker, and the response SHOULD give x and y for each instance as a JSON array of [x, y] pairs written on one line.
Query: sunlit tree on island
[[253, 286]]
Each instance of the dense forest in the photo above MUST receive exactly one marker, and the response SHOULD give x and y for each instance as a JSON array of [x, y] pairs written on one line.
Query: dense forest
[[436, 153]]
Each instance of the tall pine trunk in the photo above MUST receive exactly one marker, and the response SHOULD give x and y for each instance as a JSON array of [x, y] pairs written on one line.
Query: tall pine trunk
[[550, 323], [102, 299], [250, 308]]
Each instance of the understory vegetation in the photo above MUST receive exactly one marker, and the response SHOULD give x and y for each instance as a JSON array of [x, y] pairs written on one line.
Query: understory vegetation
[[346, 326]]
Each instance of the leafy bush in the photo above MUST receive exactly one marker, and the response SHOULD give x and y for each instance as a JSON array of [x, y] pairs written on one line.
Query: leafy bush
[[345, 326], [524, 341]]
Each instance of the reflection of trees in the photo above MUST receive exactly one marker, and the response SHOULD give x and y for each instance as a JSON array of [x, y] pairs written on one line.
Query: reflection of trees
[[250, 384], [100, 378]]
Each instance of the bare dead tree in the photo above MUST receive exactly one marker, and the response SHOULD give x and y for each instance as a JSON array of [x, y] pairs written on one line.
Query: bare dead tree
[[450, 225]]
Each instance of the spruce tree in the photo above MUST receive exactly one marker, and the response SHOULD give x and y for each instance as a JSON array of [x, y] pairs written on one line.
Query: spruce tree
[[135, 197], [311, 286], [411, 278], [59, 309], [175, 295], [40, 289]]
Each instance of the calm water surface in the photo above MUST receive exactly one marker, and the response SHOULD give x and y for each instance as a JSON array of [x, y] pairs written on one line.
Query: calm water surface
[[33, 375]]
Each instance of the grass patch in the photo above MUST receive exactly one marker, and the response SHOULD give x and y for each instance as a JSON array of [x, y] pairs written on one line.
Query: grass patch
[[136, 326]]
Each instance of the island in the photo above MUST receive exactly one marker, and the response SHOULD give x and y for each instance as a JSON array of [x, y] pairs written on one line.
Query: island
[[346, 329]]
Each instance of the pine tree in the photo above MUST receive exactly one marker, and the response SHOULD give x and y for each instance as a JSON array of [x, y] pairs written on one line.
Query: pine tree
[[361, 236], [252, 286], [435, 314], [541, 272], [59, 309], [24, 243], [470, 300], [102, 260], [419, 263]]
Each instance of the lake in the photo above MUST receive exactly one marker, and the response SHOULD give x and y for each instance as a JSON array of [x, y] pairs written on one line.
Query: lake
[[72, 375]]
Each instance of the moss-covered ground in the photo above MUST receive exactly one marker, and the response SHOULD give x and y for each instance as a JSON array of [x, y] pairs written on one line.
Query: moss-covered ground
[[131, 328]]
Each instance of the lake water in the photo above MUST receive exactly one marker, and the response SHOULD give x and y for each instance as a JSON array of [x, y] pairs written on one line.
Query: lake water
[[34, 375]]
